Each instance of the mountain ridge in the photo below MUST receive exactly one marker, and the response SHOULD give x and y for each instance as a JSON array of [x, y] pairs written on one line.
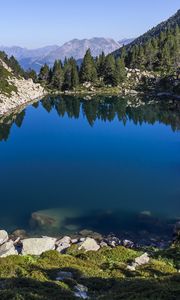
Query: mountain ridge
[[35, 58]]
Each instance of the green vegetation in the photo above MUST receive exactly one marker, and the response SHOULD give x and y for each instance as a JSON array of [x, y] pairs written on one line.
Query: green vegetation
[[5, 86], [157, 50], [104, 273], [98, 73], [13, 64]]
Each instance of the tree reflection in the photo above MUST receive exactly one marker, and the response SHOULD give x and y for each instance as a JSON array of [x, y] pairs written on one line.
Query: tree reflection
[[7, 123], [105, 109]]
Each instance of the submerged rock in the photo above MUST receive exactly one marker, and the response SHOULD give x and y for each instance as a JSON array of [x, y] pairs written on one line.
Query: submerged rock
[[89, 245], [19, 233], [3, 236], [36, 246], [91, 234], [8, 249], [55, 219]]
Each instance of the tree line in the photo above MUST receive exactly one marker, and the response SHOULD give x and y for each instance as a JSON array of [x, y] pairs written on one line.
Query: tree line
[[67, 75], [160, 53]]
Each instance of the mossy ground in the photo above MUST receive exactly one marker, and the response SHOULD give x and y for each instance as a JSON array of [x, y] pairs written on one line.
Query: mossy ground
[[5, 87], [103, 272]]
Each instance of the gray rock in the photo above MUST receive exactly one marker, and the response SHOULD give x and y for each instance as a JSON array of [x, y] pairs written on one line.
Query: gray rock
[[62, 275], [3, 236], [132, 267], [74, 241], [81, 291], [63, 244], [103, 244], [139, 261], [65, 239], [82, 239], [142, 260], [128, 243], [8, 249], [89, 245], [62, 247], [113, 241], [36, 246]]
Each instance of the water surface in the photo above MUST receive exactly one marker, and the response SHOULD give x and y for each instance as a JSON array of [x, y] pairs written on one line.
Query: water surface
[[99, 162]]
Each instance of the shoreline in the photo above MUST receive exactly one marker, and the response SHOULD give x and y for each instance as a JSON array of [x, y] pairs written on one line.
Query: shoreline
[[89, 94], [21, 243], [22, 105]]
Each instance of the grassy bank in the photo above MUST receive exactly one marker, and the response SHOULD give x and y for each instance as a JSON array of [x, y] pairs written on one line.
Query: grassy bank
[[104, 273]]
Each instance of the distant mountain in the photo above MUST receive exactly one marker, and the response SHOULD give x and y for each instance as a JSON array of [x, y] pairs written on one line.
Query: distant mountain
[[77, 49], [20, 53], [27, 57], [35, 58], [125, 41]]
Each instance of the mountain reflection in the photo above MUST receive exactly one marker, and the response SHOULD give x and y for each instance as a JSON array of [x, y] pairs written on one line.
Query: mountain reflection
[[102, 108]]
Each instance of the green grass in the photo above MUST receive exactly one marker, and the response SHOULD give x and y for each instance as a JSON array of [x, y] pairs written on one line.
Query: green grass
[[103, 272], [5, 87]]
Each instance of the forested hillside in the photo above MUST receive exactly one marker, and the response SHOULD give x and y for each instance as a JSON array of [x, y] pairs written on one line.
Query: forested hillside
[[157, 50]]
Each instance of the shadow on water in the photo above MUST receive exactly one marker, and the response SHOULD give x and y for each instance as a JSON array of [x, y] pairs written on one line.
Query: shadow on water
[[102, 108]]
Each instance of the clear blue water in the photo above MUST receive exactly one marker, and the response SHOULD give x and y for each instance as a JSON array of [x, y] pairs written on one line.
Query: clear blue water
[[102, 157]]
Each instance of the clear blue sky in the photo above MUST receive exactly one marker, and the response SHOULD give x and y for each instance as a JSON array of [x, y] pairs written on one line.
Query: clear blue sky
[[35, 23]]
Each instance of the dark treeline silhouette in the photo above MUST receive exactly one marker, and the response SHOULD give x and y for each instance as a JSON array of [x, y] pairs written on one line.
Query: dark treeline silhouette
[[104, 109]]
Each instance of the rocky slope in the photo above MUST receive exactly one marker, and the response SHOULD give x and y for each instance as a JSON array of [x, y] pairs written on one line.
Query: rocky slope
[[15, 90]]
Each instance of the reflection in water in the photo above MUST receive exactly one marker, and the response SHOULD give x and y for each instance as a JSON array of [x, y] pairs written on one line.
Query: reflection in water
[[107, 180], [105, 109]]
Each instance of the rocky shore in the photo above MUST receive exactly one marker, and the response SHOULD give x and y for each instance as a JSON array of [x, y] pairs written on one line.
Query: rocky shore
[[18, 243], [86, 267], [26, 92], [23, 91]]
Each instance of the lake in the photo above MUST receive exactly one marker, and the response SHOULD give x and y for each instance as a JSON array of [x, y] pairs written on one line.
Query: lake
[[108, 164]]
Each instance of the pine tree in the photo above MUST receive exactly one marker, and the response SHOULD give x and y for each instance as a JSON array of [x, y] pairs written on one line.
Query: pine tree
[[31, 74], [44, 74], [57, 76], [110, 71], [15, 66], [74, 74], [88, 70], [67, 76], [120, 72], [100, 63]]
